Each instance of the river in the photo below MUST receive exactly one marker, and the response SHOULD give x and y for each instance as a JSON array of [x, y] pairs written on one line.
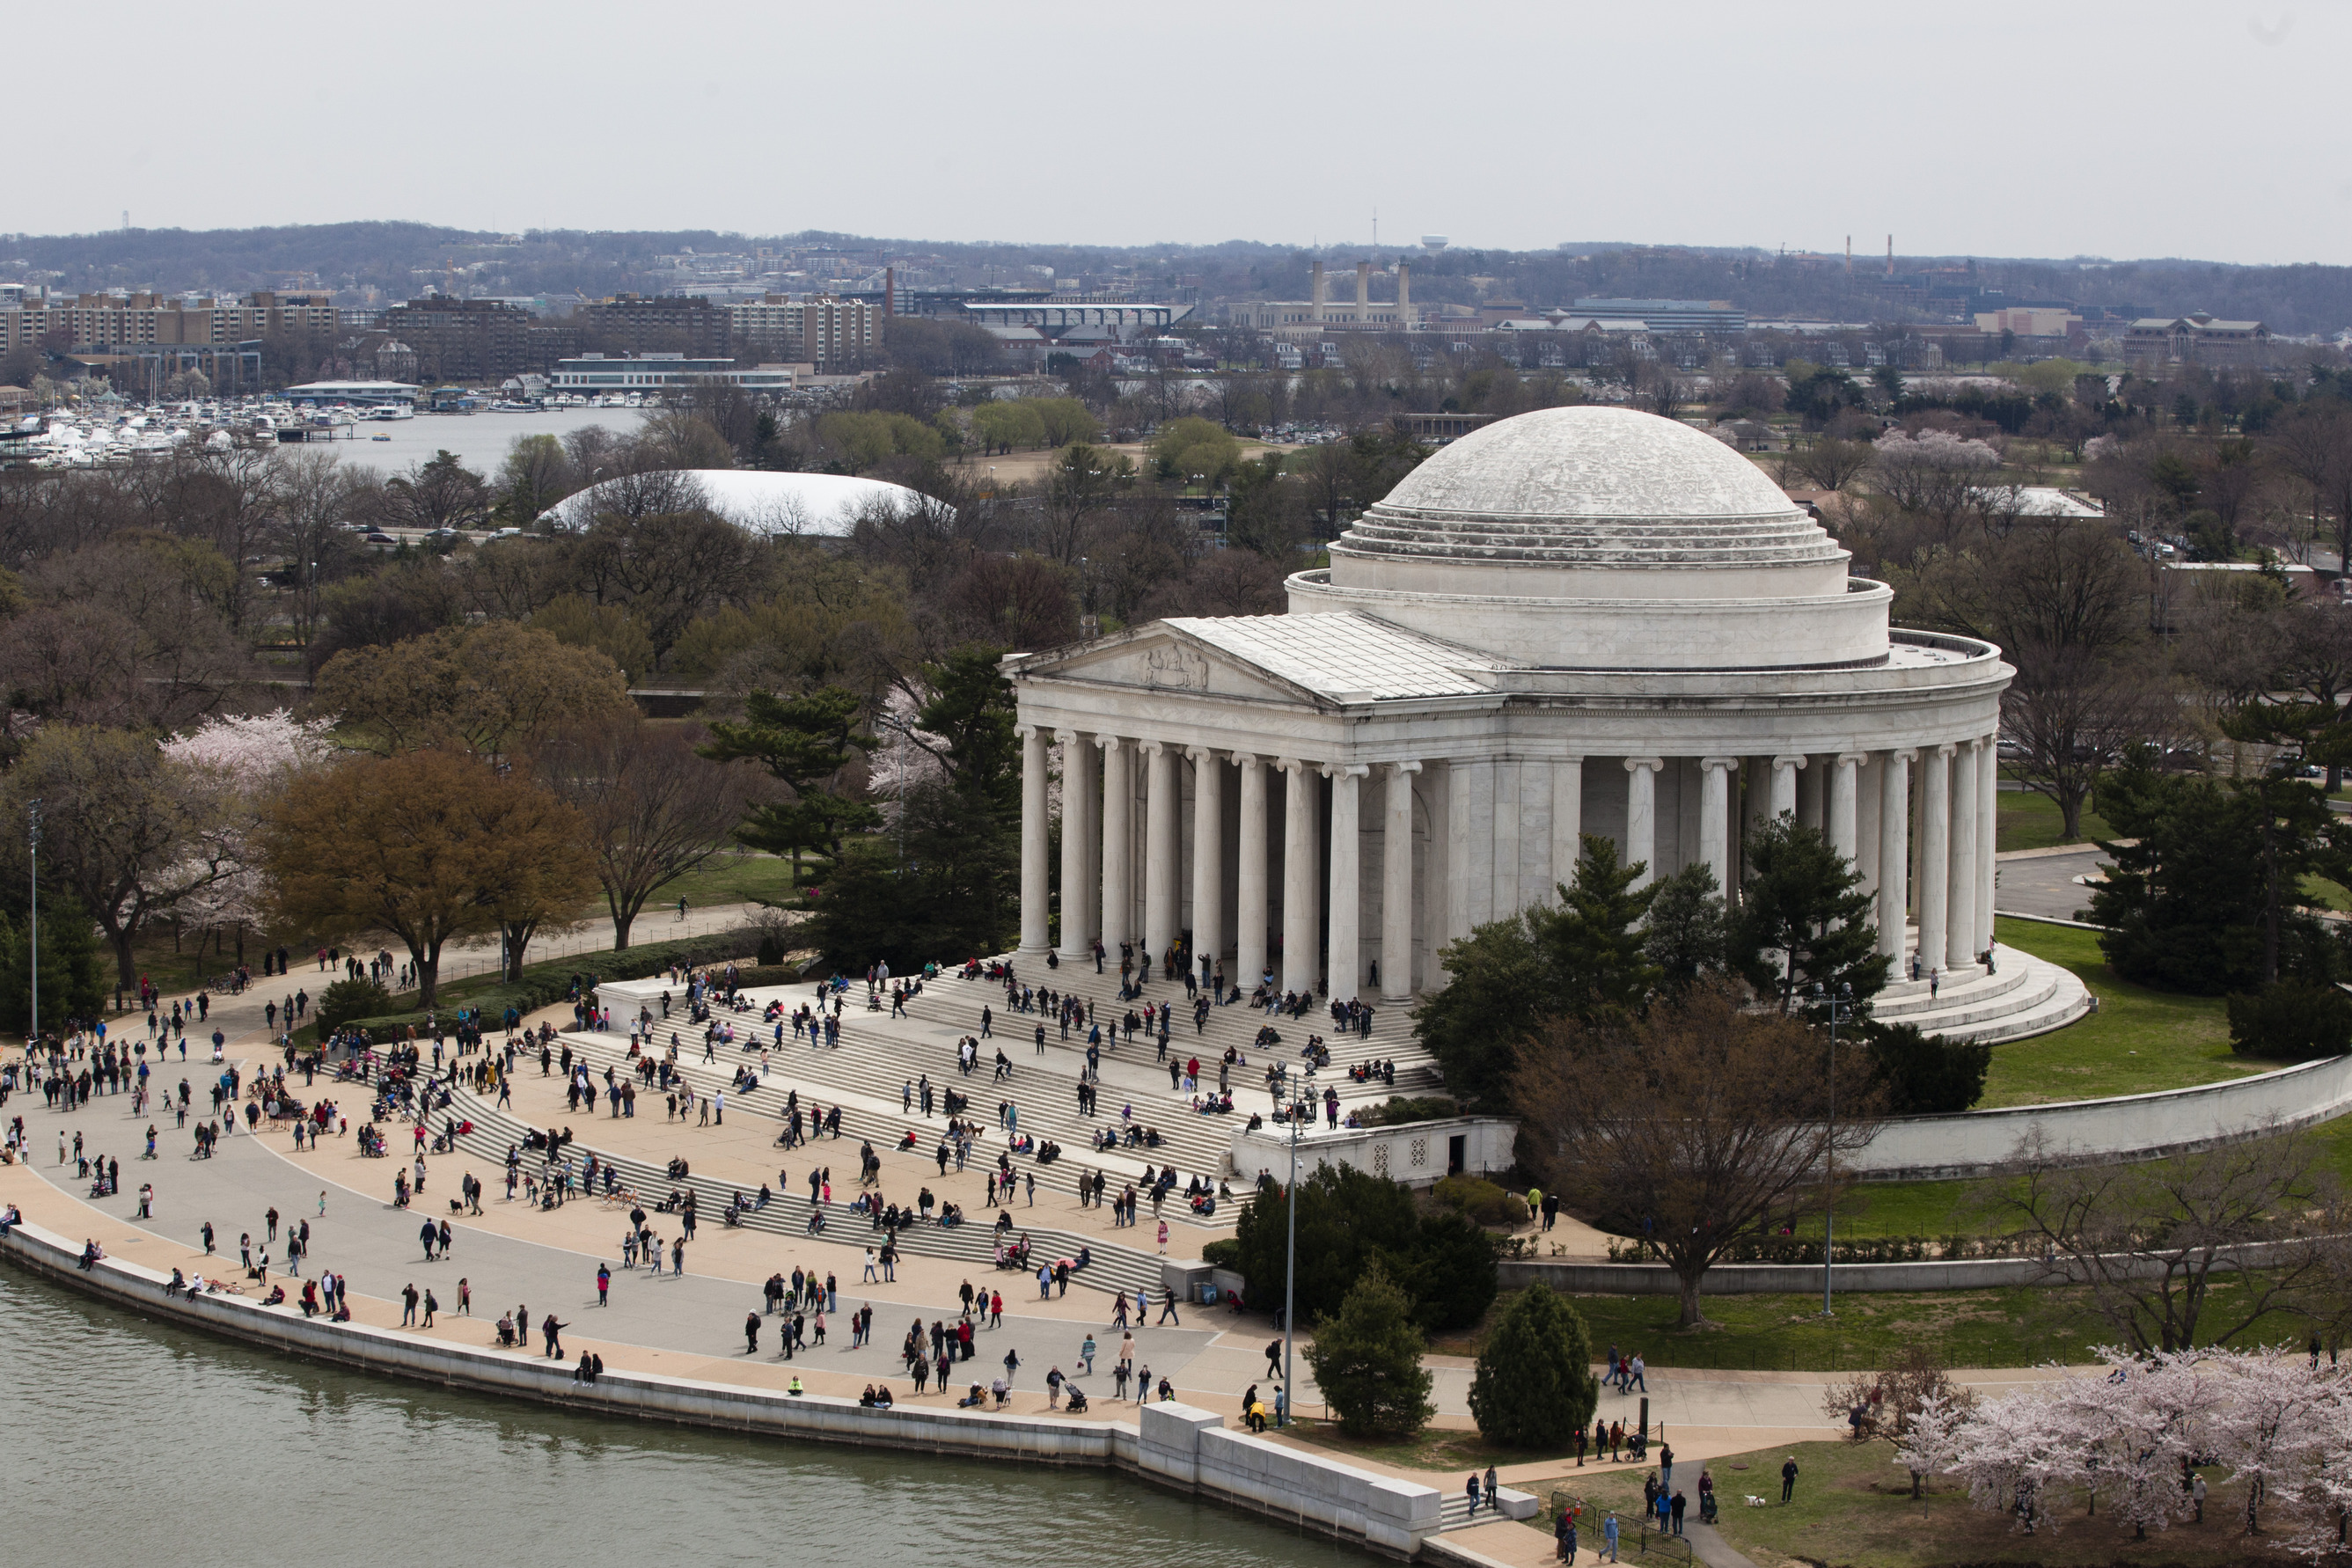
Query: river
[[217, 1449], [480, 440]]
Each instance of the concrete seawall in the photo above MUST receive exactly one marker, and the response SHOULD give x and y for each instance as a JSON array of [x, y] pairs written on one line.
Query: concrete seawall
[[1176, 1446], [2130, 1127]]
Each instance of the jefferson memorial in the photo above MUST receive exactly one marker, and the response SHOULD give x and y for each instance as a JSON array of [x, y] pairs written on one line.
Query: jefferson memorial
[[1580, 620]]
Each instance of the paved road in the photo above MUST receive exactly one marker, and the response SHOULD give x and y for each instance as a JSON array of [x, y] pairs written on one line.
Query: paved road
[[2045, 885]]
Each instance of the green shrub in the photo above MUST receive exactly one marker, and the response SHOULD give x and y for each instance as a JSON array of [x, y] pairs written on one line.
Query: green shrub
[[1347, 1220], [1534, 1387], [545, 984], [74, 971], [1367, 1359], [1397, 1110], [348, 999], [1928, 1075], [771, 951], [1223, 1253], [1479, 1198], [2290, 1020]]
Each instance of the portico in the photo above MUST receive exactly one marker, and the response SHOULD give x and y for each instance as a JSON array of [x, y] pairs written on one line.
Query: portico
[[1577, 621]]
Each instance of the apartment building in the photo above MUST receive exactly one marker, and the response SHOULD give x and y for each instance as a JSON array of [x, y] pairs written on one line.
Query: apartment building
[[820, 330], [104, 323]]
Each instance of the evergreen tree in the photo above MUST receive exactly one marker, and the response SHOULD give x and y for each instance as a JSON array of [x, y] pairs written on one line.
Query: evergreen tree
[[73, 968], [1349, 1219], [1534, 1387], [805, 742], [1594, 939], [1803, 919], [1367, 1361], [1687, 933], [1926, 1075]]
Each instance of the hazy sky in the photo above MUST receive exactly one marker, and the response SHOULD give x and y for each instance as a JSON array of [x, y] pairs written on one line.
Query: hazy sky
[[2045, 129]]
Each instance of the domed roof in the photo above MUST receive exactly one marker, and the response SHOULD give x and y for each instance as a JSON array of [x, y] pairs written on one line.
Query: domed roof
[[820, 505], [1591, 486]]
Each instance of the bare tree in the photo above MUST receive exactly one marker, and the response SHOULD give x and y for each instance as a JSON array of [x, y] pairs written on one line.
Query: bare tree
[[1694, 1125], [2149, 1239], [1829, 463], [656, 808]]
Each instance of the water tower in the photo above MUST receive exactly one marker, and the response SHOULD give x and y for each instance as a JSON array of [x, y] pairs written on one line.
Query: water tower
[[1432, 243]]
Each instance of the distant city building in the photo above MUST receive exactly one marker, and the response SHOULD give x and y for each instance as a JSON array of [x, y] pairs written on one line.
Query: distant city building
[[822, 330], [593, 375], [476, 340], [1306, 320], [659, 324], [1668, 315], [2196, 339], [363, 393], [2030, 321], [114, 324]]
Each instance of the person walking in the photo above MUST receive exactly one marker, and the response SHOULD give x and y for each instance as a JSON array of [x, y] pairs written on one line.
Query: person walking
[[603, 1285], [1789, 1478], [1168, 1307], [1472, 1488], [1609, 1538]]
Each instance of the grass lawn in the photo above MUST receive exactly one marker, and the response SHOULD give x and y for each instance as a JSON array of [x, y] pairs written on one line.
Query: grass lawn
[[2139, 1041], [2026, 820], [1853, 1505], [729, 877]]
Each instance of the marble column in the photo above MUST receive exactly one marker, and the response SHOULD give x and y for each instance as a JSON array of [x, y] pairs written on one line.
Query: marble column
[[1935, 857], [1845, 781], [1160, 837], [1868, 797], [1208, 856], [1715, 817], [1508, 772], [1250, 911], [1567, 821], [1784, 784], [1300, 929], [1961, 921], [1081, 782], [1894, 851], [1987, 834], [1036, 846], [1117, 841], [1641, 816], [1396, 886], [1346, 965], [1811, 787]]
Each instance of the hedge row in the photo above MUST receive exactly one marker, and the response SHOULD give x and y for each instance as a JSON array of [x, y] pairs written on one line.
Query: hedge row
[[546, 984]]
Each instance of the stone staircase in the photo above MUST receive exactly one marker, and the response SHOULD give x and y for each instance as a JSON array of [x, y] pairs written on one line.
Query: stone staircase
[[1114, 1265], [2024, 996]]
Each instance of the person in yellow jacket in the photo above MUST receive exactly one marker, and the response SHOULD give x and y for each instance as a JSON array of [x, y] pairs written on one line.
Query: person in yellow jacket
[[794, 1390]]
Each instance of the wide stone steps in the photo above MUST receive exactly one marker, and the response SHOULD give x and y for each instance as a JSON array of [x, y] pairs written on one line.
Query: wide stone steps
[[874, 1062], [1114, 1266], [867, 1116], [2024, 996]]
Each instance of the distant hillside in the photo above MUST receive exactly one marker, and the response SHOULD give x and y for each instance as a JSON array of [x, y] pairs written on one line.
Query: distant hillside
[[399, 259]]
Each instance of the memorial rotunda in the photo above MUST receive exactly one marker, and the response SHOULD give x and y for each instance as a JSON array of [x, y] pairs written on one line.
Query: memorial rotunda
[[1577, 621]]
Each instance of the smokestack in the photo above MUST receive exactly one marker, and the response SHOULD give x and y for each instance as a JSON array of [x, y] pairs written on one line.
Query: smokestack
[[1363, 291], [1318, 290], [1849, 256], [1404, 294], [889, 292], [1890, 256]]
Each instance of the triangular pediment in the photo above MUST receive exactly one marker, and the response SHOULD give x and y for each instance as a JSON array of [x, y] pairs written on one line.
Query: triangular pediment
[[1158, 657]]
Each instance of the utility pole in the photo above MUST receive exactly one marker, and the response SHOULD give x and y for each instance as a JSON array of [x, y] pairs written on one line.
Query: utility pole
[[33, 1032], [1844, 998]]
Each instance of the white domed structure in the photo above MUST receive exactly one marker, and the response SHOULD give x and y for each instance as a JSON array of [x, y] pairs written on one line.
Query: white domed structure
[[1596, 538], [825, 506], [1580, 621]]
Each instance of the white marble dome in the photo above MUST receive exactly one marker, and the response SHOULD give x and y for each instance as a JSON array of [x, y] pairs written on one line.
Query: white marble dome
[[1591, 487], [1603, 538]]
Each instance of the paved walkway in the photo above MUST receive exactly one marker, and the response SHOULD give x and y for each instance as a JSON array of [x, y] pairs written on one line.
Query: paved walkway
[[2043, 881]]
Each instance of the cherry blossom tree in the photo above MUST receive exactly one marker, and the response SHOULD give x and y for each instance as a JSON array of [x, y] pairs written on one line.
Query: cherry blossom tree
[[1932, 1441], [2269, 1423], [240, 763]]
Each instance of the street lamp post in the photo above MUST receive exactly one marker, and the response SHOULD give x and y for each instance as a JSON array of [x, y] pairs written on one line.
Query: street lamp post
[[33, 1032], [1289, 1392], [1843, 999]]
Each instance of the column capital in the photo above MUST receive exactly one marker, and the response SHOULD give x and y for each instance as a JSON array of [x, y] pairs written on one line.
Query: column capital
[[1296, 765], [1246, 759], [1725, 762], [1151, 748], [1346, 771], [1201, 756], [1404, 767], [1903, 755], [1025, 731], [1652, 764], [1859, 759], [1108, 744], [1949, 748], [1789, 760]]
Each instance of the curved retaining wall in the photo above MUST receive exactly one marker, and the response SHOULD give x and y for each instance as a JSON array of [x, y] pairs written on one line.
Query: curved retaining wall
[[2131, 1126], [1179, 1445]]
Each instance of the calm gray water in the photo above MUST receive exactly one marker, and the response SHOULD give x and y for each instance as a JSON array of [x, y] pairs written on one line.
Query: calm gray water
[[481, 439], [217, 1449]]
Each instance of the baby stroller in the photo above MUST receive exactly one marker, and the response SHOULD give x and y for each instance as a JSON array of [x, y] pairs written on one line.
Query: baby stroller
[[1077, 1397]]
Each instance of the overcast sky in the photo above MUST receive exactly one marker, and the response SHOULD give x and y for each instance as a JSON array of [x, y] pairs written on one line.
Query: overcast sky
[[2056, 128]]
